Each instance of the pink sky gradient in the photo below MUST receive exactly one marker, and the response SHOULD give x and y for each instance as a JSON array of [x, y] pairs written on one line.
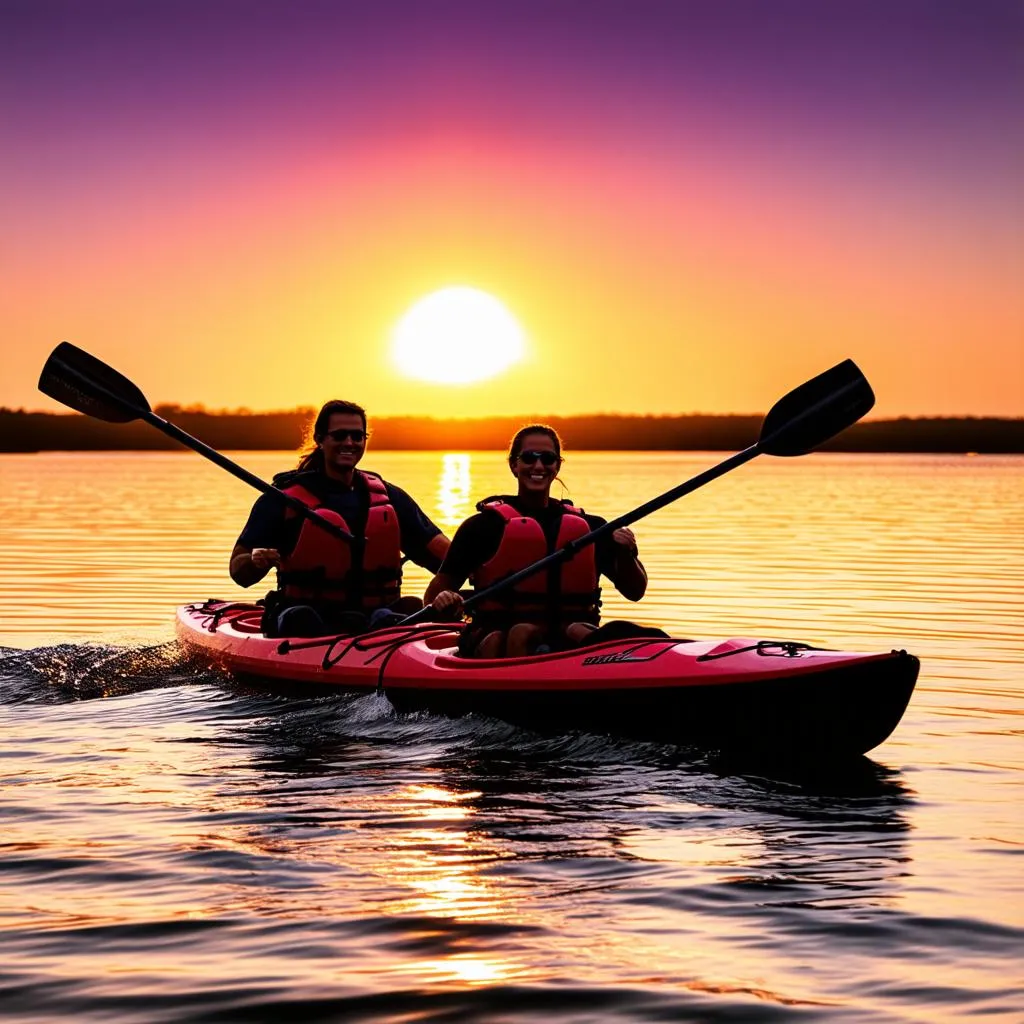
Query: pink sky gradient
[[688, 206]]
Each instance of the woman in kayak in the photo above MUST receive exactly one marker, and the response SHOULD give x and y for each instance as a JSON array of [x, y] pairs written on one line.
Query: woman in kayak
[[325, 584], [556, 608]]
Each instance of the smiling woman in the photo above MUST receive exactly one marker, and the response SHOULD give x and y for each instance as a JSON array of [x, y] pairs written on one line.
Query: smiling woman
[[457, 336]]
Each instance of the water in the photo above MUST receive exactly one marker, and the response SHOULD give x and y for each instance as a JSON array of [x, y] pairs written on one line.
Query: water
[[178, 846]]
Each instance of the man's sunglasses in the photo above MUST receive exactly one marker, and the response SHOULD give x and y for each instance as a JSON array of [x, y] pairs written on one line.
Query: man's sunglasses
[[341, 434], [548, 458]]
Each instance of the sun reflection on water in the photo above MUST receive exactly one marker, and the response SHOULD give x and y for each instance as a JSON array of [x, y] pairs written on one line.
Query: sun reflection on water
[[453, 489], [462, 968], [439, 871], [438, 866]]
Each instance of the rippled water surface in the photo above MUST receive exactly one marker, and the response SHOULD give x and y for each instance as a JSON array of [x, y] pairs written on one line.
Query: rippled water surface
[[179, 846]]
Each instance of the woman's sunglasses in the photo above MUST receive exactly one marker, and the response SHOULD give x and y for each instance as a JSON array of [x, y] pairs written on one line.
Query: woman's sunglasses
[[547, 458], [341, 434]]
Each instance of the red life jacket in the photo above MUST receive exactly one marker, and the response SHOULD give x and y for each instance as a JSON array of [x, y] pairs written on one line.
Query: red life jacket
[[565, 592], [365, 574]]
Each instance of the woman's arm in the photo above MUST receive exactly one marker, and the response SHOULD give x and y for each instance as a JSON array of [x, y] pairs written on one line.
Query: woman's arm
[[461, 559], [440, 583], [628, 573]]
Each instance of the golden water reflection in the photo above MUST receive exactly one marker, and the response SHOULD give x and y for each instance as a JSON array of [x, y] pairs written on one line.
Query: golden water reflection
[[454, 489], [465, 969], [407, 852], [439, 866], [440, 871]]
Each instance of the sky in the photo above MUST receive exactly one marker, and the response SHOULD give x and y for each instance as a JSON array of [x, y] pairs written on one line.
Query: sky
[[687, 205]]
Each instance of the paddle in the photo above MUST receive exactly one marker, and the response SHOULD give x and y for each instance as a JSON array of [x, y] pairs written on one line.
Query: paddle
[[84, 383], [797, 424]]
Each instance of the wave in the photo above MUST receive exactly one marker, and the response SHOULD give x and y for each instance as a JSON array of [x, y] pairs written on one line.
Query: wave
[[72, 672]]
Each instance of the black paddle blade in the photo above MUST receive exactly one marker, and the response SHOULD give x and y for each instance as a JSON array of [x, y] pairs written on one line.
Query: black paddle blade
[[84, 383], [817, 410]]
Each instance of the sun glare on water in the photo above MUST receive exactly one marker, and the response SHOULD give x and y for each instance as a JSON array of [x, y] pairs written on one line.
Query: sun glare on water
[[457, 336]]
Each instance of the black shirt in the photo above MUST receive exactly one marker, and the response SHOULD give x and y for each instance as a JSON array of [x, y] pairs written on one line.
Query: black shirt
[[267, 526], [476, 541]]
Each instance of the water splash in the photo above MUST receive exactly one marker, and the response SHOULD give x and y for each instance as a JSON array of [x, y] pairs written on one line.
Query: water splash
[[71, 672]]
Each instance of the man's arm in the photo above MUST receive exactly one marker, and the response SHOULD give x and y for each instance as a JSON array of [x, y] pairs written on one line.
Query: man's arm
[[438, 546], [258, 547], [422, 540], [250, 565]]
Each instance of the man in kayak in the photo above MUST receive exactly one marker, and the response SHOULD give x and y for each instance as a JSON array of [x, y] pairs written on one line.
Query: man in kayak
[[554, 609], [325, 584]]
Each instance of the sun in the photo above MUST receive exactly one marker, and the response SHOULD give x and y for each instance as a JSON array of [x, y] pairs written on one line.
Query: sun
[[456, 336]]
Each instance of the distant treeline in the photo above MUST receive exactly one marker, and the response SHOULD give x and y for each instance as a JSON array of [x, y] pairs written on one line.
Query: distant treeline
[[35, 431]]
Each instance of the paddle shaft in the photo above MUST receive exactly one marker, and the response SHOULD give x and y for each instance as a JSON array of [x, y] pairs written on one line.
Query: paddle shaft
[[243, 474], [570, 549], [764, 443], [86, 384]]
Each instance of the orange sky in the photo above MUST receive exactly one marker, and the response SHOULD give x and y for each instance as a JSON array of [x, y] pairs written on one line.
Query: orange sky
[[670, 242]]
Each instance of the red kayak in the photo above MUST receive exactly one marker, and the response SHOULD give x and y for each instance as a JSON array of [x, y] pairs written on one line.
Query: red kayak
[[739, 695]]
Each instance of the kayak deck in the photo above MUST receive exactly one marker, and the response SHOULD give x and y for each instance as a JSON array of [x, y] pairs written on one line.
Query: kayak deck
[[740, 695]]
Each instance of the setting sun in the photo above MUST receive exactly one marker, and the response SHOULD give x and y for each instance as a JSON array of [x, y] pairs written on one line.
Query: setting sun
[[456, 336]]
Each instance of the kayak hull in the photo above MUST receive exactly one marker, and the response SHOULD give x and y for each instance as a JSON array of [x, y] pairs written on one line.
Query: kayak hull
[[740, 696], [839, 711]]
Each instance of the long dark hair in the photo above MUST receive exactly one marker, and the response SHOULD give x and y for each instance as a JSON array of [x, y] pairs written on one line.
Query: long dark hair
[[312, 455], [533, 428]]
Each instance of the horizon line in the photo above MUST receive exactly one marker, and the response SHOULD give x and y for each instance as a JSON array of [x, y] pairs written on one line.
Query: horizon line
[[200, 410]]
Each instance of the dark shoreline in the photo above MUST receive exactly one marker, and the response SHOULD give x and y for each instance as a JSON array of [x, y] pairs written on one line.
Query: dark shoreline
[[22, 431]]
